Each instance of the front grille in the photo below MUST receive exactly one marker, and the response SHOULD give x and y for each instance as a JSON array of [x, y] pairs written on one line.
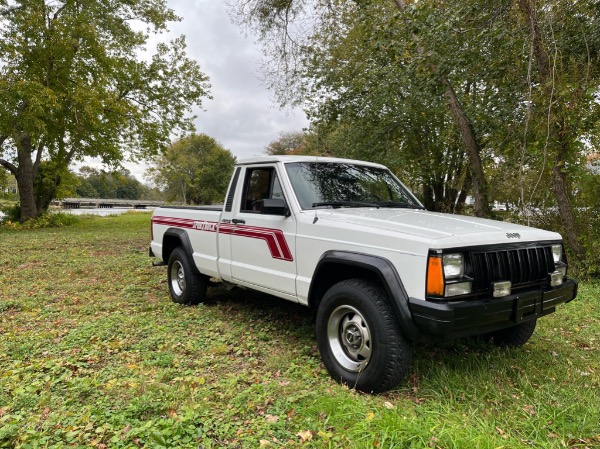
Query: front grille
[[520, 266]]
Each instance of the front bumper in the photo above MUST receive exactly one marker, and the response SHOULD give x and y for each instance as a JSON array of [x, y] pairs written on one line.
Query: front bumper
[[448, 320]]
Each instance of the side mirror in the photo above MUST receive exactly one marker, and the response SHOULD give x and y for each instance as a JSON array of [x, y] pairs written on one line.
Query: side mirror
[[275, 206]]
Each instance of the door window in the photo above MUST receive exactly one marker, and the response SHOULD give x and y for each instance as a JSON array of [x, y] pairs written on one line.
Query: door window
[[261, 183]]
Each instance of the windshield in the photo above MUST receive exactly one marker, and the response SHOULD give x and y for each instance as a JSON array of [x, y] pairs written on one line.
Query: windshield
[[324, 184]]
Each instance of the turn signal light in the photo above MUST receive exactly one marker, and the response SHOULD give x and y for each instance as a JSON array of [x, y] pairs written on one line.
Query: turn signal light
[[435, 276]]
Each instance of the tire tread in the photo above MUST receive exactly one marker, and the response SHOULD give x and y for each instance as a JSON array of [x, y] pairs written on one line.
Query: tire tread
[[398, 350]]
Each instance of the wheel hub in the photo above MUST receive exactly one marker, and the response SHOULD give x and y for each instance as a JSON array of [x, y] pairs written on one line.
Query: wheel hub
[[178, 278], [353, 337], [181, 278], [349, 338]]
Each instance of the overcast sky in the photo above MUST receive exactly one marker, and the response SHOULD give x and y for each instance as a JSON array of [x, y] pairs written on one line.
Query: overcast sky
[[242, 115]]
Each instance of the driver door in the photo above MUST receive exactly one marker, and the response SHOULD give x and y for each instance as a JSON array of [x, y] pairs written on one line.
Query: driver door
[[263, 238]]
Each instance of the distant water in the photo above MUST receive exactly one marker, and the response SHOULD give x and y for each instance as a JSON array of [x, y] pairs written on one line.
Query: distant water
[[103, 212]]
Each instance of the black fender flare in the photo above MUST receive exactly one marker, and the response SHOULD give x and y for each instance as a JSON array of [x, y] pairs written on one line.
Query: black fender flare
[[185, 243], [388, 277]]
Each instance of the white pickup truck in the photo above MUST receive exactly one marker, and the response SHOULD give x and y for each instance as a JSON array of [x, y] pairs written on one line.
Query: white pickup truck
[[349, 240]]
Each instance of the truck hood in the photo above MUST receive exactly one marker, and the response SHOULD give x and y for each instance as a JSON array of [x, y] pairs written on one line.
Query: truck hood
[[443, 229]]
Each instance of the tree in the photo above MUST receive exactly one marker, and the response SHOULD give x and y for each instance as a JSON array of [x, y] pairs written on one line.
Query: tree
[[119, 184], [276, 21], [3, 182], [287, 143], [194, 170], [566, 84], [519, 80], [73, 84]]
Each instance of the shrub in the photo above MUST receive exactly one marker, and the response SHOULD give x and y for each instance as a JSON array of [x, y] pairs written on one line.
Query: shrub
[[46, 220]]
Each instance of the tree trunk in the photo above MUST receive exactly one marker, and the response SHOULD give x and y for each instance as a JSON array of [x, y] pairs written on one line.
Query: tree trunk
[[428, 200], [556, 129], [565, 209], [478, 182], [25, 176], [481, 205], [45, 196]]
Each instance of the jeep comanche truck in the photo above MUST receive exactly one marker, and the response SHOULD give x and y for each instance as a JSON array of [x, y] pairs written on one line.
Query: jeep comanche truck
[[349, 240]]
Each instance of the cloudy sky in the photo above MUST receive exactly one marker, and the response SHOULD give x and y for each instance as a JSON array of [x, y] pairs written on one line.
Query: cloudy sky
[[242, 115]]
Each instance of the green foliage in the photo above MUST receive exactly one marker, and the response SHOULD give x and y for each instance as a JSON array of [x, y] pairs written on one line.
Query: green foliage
[[94, 353], [119, 184], [375, 78], [194, 170], [47, 220], [8, 185], [11, 212], [73, 84], [288, 143]]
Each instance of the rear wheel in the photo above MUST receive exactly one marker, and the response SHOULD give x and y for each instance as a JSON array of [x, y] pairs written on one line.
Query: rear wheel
[[514, 336], [186, 285], [359, 339]]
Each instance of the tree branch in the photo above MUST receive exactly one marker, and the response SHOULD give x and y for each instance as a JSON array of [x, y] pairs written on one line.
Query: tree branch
[[38, 159], [10, 167], [8, 11]]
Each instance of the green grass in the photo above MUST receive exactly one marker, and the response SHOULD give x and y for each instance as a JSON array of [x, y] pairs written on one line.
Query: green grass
[[94, 354]]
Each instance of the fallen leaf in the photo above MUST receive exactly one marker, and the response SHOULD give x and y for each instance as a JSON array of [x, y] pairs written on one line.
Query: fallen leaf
[[271, 419], [502, 433], [305, 435], [388, 405]]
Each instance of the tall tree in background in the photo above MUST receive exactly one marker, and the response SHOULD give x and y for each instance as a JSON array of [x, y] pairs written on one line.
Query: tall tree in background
[[288, 41], [519, 79], [119, 184], [565, 52], [287, 143], [73, 84], [194, 170]]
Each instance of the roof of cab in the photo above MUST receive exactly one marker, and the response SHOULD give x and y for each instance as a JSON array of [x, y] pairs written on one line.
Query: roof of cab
[[287, 159]]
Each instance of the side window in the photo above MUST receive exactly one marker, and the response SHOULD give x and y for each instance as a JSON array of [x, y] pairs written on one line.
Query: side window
[[276, 190], [260, 184]]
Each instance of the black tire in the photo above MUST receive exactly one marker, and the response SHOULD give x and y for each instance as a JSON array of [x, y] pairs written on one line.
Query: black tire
[[513, 337], [186, 285], [359, 339]]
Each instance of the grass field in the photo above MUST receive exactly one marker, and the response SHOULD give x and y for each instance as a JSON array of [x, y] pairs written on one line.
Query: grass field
[[94, 354]]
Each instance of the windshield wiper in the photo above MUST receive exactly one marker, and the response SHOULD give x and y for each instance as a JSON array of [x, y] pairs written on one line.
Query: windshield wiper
[[335, 204], [399, 205]]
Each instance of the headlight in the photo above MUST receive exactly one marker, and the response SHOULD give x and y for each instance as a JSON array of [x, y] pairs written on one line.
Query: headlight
[[461, 288], [454, 266], [446, 276], [557, 251]]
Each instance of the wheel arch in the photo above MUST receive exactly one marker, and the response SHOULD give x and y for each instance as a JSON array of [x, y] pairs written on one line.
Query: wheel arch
[[335, 266], [174, 238]]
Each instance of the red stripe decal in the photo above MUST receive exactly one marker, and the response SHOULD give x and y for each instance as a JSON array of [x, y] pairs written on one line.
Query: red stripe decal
[[274, 238]]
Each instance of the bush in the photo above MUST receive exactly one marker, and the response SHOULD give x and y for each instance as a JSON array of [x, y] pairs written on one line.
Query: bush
[[46, 220], [11, 212], [589, 229], [585, 267]]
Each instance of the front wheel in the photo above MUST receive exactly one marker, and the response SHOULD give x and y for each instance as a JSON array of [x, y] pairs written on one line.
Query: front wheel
[[186, 285], [359, 339]]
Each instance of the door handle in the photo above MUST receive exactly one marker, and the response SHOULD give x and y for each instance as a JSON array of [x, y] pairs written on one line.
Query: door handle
[[238, 221]]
